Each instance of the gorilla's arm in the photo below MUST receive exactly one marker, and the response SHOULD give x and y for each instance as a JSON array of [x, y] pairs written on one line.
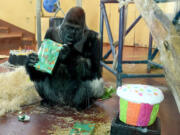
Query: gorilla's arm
[[95, 54], [53, 34], [34, 74], [48, 34], [88, 63], [60, 67]]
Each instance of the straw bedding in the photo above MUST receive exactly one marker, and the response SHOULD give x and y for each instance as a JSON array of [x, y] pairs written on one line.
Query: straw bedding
[[16, 90]]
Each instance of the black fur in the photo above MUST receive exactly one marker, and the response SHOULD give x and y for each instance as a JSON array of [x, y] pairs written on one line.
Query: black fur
[[77, 66]]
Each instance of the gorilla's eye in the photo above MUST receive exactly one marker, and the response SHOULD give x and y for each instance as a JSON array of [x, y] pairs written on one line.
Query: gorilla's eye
[[73, 27]]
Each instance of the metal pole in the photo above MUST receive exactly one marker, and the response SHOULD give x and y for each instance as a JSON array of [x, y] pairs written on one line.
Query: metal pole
[[149, 52], [108, 68], [38, 22], [101, 31], [154, 53], [103, 9], [79, 3], [128, 30], [133, 24], [120, 47]]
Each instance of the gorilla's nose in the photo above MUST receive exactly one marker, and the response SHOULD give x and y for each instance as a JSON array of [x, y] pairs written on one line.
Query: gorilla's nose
[[70, 37]]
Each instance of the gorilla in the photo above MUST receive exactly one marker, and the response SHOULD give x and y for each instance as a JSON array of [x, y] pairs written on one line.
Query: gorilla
[[76, 79]]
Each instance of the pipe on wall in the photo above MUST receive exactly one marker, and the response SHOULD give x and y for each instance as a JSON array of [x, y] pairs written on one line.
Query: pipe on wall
[[38, 22], [79, 3]]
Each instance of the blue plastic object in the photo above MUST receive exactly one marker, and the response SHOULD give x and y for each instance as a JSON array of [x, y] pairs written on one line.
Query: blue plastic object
[[49, 5], [177, 16]]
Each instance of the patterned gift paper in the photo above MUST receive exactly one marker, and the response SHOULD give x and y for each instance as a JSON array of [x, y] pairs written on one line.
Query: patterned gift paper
[[82, 129], [48, 54], [138, 93]]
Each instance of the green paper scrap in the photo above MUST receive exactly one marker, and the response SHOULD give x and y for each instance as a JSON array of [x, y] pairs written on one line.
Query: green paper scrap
[[123, 110], [82, 129], [153, 114], [48, 55], [23, 118], [109, 91]]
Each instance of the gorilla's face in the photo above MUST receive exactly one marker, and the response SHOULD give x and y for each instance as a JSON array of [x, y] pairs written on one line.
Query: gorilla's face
[[71, 33]]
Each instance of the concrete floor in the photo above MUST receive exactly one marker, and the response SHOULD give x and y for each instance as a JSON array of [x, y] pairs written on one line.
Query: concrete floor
[[59, 120]]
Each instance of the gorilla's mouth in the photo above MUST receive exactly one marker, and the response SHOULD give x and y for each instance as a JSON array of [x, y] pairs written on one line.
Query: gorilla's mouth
[[69, 39]]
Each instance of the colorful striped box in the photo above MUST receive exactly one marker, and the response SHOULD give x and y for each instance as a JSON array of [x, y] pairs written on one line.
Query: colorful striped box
[[139, 104]]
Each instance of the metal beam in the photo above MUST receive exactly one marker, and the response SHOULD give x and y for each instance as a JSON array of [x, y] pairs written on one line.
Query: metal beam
[[79, 3], [38, 22]]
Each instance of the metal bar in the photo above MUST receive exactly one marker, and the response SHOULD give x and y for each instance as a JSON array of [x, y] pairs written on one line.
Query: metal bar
[[108, 62], [108, 28], [119, 79], [128, 30], [108, 68], [119, 75], [120, 47], [101, 30], [141, 75], [131, 75], [154, 53], [107, 54], [79, 3], [38, 22], [135, 62], [121, 36], [149, 52], [155, 64], [129, 62], [133, 24], [109, 1]]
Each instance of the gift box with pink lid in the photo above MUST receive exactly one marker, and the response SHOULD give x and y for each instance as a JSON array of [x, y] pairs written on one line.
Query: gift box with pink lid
[[139, 104]]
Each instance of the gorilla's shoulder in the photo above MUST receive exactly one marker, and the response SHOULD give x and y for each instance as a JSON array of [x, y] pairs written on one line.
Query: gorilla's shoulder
[[53, 34], [92, 32], [92, 35]]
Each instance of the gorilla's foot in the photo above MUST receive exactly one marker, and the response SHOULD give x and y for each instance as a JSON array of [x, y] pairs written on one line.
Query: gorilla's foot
[[46, 103]]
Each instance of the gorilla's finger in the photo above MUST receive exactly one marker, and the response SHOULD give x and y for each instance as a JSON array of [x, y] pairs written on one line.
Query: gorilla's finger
[[30, 64], [32, 60], [33, 55]]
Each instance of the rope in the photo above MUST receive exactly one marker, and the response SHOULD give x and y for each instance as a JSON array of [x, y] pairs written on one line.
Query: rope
[[124, 3]]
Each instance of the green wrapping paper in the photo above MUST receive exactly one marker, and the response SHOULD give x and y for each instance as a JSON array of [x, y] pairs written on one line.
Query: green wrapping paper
[[48, 55], [82, 129]]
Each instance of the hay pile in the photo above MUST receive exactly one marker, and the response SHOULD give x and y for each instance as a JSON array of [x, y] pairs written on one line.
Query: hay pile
[[16, 90]]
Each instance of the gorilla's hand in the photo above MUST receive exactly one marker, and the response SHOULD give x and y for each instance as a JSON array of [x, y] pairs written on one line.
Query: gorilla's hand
[[32, 59], [83, 67], [92, 35], [64, 53]]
